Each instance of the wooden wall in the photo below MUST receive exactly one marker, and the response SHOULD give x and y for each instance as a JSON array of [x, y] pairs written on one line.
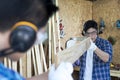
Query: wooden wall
[[74, 13], [109, 10]]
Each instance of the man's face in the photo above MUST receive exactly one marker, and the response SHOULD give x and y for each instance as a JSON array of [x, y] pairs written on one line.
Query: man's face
[[91, 32]]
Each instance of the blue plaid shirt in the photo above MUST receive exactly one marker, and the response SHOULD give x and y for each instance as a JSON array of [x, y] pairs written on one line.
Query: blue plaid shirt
[[101, 69], [8, 74]]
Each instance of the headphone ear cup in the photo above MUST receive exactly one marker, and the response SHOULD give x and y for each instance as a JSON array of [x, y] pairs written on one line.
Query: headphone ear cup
[[98, 32], [22, 38], [83, 33]]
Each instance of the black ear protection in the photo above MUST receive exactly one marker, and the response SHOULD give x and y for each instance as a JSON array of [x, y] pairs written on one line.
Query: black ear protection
[[83, 33], [22, 37]]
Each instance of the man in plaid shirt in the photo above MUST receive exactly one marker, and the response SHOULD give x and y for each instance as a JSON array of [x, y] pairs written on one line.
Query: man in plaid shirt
[[102, 55]]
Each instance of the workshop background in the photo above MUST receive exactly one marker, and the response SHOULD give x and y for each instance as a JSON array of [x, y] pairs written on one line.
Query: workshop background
[[75, 12], [68, 23]]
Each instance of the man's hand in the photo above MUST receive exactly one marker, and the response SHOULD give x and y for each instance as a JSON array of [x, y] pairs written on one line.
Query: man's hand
[[63, 72], [92, 46]]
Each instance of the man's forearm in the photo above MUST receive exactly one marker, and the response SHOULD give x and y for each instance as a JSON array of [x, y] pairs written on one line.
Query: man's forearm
[[102, 55], [43, 76]]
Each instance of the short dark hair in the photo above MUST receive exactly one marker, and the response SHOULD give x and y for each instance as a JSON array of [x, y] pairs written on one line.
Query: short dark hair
[[90, 24], [35, 11]]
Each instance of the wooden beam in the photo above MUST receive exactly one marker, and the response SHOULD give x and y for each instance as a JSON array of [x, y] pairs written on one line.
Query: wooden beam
[[73, 53], [9, 63], [34, 61], [14, 66], [29, 68], [21, 68], [43, 57], [54, 35], [5, 62], [50, 54], [39, 65], [58, 29]]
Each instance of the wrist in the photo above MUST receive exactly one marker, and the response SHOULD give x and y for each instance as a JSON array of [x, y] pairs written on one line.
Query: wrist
[[96, 49]]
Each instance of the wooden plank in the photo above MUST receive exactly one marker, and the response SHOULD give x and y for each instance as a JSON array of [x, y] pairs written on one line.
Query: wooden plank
[[9, 63], [46, 53], [21, 69], [14, 66], [43, 57], [58, 29], [53, 39], [24, 65], [73, 53], [29, 68], [34, 61], [50, 56], [54, 35], [5, 62], [39, 65], [115, 73]]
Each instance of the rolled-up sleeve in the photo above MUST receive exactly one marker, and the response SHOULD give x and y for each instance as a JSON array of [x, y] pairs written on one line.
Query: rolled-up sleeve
[[77, 63], [107, 47]]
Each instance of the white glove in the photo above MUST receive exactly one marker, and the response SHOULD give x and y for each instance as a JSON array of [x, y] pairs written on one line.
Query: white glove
[[92, 46], [63, 72]]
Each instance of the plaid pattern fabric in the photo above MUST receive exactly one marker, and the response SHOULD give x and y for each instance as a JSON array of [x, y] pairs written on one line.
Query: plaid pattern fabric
[[101, 70], [8, 74]]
